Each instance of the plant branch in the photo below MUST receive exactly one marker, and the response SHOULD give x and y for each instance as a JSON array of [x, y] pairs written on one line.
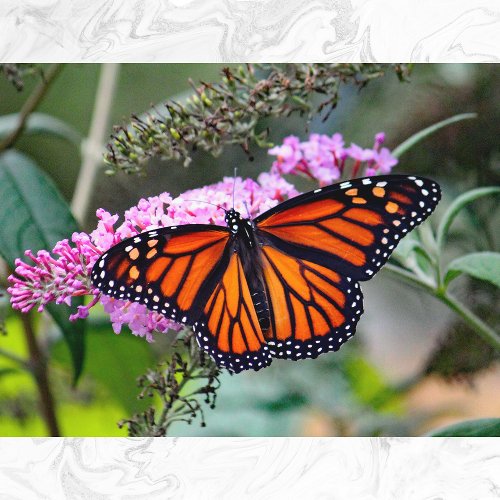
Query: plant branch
[[91, 150], [409, 277], [31, 104], [195, 361], [17, 359], [481, 328], [38, 367], [188, 364], [228, 111], [487, 333]]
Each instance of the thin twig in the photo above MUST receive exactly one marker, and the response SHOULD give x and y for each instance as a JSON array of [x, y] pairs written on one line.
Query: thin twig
[[38, 364], [93, 145], [13, 357], [187, 377], [31, 104]]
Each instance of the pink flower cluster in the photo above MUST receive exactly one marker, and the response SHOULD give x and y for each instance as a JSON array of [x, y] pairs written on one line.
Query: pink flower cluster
[[64, 273], [326, 159], [54, 277]]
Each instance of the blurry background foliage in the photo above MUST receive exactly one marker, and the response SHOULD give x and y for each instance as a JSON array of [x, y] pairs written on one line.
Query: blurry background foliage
[[412, 366]]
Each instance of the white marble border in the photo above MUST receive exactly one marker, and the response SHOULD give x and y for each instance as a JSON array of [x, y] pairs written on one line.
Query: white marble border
[[249, 30], [250, 468]]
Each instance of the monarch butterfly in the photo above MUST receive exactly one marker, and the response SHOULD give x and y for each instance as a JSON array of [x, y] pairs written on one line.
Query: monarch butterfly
[[283, 285]]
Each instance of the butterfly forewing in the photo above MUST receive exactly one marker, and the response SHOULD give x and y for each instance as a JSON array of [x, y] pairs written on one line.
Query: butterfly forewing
[[170, 270], [351, 227]]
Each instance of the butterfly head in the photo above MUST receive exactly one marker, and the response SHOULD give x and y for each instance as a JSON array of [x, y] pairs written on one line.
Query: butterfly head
[[233, 220]]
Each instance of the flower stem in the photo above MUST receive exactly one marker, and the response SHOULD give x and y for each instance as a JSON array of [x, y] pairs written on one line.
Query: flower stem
[[31, 104], [481, 328], [409, 277], [38, 365], [91, 150]]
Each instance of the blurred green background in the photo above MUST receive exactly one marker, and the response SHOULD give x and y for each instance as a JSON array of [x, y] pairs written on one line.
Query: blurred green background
[[383, 383]]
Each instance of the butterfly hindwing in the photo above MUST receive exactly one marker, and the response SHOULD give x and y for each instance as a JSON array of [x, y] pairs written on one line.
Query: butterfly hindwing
[[170, 270], [351, 227], [313, 309], [229, 328]]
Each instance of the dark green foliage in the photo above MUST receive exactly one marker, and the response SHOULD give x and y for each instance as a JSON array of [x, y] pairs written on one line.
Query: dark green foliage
[[35, 216]]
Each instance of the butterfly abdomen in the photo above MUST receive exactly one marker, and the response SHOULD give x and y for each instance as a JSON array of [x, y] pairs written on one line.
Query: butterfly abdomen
[[259, 300]]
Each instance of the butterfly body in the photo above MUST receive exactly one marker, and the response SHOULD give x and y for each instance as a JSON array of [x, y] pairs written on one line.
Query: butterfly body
[[245, 243], [284, 285]]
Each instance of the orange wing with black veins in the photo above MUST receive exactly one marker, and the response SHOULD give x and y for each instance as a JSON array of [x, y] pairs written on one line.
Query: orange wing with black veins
[[229, 328], [172, 271]]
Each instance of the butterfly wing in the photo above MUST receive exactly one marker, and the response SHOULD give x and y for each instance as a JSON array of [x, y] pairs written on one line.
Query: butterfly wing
[[229, 327], [351, 227], [171, 270], [191, 275], [317, 246], [313, 309]]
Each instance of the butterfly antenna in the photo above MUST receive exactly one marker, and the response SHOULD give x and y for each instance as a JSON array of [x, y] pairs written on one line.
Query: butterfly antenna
[[248, 210], [234, 182], [207, 202]]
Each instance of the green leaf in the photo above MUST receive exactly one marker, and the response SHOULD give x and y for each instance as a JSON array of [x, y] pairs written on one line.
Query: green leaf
[[408, 251], [483, 427], [34, 215], [116, 363], [406, 247], [481, 265], [416, 138], [455, 208], [41, 124]]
